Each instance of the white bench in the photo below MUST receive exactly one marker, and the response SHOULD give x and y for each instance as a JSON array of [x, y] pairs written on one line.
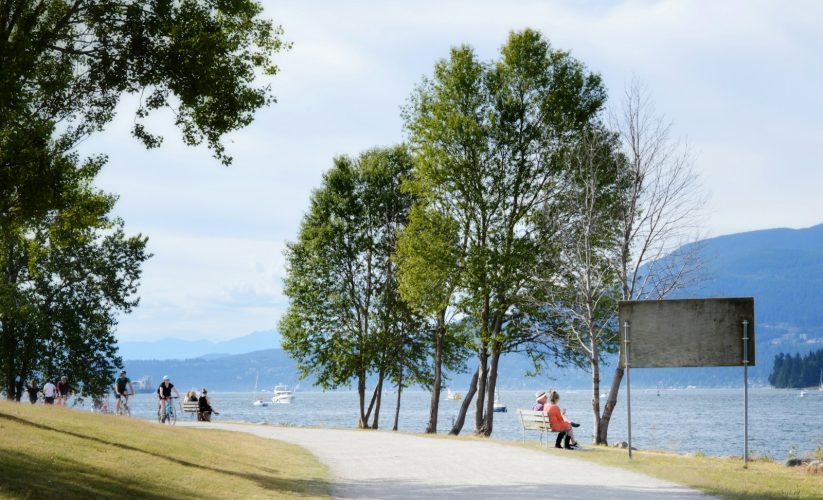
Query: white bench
[[531, 420], [192, 407]]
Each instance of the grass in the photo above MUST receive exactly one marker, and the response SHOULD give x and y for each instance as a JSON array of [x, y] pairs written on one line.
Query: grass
[[724, 477], [47, 452]]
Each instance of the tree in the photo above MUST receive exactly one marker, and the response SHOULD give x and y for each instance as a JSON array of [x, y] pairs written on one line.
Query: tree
[[487, 138], [428, 254], [659, 212], [64, 278], [582, 220], [345, 319]]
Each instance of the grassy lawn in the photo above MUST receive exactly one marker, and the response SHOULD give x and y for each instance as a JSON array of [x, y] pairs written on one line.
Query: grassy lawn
[[46, 452], [723, 477]]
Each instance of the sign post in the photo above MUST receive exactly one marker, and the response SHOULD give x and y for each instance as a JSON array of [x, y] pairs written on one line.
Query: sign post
[[627, 342], [745, 394]]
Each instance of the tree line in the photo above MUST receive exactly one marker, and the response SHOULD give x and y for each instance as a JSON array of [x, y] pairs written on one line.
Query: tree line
[[512, 219], [796, 372], [67, 266]]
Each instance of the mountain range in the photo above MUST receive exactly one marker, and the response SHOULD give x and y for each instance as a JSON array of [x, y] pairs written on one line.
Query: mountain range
[[781, 268]]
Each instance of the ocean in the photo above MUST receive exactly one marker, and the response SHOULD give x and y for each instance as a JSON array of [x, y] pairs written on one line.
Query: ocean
[[708, 421]]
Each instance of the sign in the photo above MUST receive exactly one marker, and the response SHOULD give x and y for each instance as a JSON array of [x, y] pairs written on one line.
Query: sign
[[689, 332]]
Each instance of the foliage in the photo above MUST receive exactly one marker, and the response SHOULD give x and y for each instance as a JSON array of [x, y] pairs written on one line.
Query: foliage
[[345, 317], [488, 139], [797, 371], [64, 278]]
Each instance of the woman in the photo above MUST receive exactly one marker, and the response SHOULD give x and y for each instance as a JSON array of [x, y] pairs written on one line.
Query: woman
[[191, 395], [33, 389], [204, 404], [559, 422]]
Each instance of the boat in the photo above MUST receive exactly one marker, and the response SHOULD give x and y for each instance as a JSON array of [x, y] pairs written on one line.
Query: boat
[[453, 396], [498, 406], [820, 387], [802, 394], [282, 395], [258, 401]]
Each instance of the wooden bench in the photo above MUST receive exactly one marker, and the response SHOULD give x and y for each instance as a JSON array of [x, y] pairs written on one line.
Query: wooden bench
[[531, 420], [192, 407]]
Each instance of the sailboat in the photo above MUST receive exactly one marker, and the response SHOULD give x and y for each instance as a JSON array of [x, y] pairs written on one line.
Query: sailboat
[[498, 406], [820, 387], [258, 401]]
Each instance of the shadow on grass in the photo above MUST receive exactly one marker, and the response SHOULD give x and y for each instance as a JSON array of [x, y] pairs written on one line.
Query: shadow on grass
[[35, 473]]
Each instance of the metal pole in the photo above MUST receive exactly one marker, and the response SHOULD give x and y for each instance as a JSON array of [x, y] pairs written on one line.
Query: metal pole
[[627, 343], [745, 394]]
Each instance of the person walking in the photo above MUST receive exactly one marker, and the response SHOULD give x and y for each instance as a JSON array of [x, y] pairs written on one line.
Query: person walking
[[33, 389], [63, 390], [49, 392]]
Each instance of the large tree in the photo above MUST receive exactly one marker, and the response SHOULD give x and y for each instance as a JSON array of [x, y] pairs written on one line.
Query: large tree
[[488, 139], [64, 277], [345, 319]]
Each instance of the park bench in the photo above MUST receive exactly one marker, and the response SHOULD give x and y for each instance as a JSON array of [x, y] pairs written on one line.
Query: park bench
[[531, 420], [192, 407]]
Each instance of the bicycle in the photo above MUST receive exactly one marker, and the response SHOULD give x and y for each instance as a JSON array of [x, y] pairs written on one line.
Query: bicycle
[[171, 416], [124, 406]]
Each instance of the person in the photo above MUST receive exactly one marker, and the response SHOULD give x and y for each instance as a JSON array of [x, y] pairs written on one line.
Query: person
[[63, 390], [122, 383], [164, 392], [559, 422], [191, 395], [204, 406], [539, 401], [33, 389], [49, 392]]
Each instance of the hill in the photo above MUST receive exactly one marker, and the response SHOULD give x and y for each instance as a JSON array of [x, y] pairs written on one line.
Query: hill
[[172, 348]]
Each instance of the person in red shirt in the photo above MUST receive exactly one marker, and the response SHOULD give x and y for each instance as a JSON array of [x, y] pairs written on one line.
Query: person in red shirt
[[559, 422]]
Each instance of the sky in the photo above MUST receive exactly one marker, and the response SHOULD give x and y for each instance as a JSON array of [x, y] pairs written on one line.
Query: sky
[[740, 81]]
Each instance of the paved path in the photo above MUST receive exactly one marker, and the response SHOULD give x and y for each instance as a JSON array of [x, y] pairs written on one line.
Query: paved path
[[389, 465]]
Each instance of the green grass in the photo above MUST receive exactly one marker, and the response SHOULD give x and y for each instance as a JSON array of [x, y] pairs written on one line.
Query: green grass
[[48, 452], [724, 477]]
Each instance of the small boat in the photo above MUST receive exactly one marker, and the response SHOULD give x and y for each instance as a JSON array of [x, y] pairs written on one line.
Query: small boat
[[498, 406], [258, 401], [453, 396], [820, 387], [282, 395], [602, 395], [802, 394]]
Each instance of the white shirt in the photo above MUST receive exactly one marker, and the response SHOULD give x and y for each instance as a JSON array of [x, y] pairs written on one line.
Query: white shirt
[[49, 390]]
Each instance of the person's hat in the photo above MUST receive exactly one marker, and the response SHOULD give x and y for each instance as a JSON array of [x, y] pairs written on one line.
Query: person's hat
[[165, 377], [538, 395]]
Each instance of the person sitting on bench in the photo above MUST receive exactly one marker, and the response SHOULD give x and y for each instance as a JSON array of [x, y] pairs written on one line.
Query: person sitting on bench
[[558, 422]]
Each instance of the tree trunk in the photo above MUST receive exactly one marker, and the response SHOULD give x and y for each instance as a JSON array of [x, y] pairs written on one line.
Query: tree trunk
[[399, 390], [438, 366], [464, 407], [611, 402], [482, 379], [9, 351], [491, 387], [595, 364], [378, 391]]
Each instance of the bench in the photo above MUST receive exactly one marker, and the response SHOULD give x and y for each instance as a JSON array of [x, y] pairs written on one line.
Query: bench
[[531, 420], [192, 407]]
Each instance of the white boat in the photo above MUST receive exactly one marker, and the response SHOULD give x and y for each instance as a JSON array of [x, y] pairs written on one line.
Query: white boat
[[498, 406], [453, 396], [258, 401], [802, 394], [282, 395]]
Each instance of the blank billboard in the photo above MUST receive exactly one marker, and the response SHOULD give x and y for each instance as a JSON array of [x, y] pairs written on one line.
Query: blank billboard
[[689, 332]]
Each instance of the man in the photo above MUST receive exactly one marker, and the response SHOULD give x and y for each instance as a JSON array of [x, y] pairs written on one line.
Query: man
[[120, 385], [63, 390], [49, 391], [164, 392]]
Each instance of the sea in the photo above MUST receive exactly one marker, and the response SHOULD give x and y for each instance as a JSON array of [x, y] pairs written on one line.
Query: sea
[[707, 421]]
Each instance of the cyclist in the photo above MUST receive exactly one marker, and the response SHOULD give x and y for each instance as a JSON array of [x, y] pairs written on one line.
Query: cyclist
[[120, 384], [164, 393]]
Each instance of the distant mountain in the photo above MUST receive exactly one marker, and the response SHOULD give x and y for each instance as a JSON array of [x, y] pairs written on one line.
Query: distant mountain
[[225, 373], [172, 348]]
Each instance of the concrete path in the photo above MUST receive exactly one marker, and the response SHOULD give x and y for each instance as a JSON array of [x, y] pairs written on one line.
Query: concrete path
[[389, 465]]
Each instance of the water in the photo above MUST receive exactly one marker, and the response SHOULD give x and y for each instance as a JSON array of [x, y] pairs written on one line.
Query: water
[[706, 421]]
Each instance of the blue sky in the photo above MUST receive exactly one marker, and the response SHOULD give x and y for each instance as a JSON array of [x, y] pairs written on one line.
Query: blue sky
[[740, 80]]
